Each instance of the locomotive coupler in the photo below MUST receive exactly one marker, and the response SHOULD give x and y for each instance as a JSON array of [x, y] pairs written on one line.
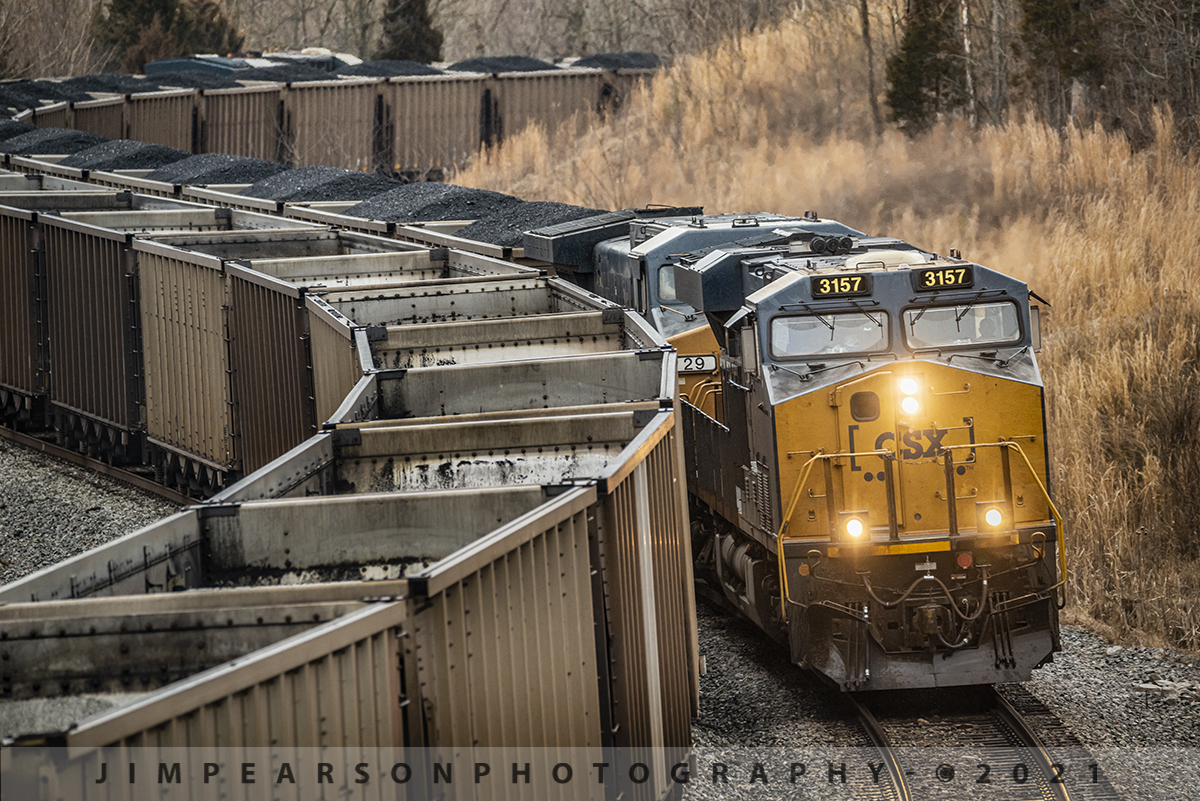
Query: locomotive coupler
[[929, 619]]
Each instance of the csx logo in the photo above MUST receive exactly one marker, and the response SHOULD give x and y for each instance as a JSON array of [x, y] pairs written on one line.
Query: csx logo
[[921, 444], [914, 443]]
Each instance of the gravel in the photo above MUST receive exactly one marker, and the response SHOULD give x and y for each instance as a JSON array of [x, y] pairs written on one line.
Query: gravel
[[1092, 687], [432, 201], [321, 183], [621, 61], [51, 141], [389, 68], [52, 510], [125, 154], [217, 168], [752, 697], [501, 64], [507, 226]]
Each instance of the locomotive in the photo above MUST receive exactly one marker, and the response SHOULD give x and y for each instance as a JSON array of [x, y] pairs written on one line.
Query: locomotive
[[865, 439]]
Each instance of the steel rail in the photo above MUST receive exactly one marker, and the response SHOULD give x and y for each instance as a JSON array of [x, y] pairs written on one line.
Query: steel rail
[[96, 465], [1009, 715], [880, 740]]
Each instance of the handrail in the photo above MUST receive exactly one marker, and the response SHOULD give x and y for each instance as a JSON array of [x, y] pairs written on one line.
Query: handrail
[[1058, 520], [806, 469], [800, 482]]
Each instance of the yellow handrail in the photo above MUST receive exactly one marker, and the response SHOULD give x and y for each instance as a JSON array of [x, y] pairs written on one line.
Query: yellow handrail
[[1058, 521], [804, 471], [807, 468]]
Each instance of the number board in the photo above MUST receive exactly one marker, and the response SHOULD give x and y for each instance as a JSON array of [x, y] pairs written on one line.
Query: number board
[[944, 278], [838, 286], [697, 364]]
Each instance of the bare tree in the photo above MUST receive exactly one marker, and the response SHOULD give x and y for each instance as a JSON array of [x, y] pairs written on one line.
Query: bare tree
[[42, 38]]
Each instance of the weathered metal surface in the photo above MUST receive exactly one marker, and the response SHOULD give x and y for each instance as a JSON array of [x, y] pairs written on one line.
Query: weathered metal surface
[[23, 343], [95, 352], [131, 565], [271, 384], [436, 119], [335, 364], [57, 115], [189, 402], [586, 380], [470, 300], [104, 117], [316, 129], [162, 118], [319, 688], [549, 99], [241, 122]]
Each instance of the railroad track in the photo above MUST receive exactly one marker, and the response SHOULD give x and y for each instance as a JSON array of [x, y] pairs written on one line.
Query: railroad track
[[954, 743]]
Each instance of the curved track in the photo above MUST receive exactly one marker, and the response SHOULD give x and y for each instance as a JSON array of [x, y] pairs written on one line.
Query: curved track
[[1015, 760]]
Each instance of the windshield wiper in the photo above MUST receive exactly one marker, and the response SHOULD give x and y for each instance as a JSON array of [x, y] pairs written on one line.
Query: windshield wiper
[[684, 315], [970, 303]]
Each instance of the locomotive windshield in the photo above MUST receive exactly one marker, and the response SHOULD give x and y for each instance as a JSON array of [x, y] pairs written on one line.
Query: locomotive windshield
[[825, 334], [666, 283], [953, 326]]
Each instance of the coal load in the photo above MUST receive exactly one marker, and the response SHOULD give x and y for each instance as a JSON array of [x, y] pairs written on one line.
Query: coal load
[[621, 61], [124, 154], [507, 227], [21, 95], [216, 168], [48, 141], [432, 201], [388, 69], [195, 79], [501, 64], [11, 128], [113, 83], [284, 73], [314, 184]]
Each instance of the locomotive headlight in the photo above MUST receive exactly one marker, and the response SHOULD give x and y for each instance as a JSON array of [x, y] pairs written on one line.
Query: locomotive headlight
[[910, 405], [909, 386], [854, 527], [993, 517]]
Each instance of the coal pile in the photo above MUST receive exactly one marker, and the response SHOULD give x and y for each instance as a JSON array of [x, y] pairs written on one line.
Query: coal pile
[[621, 61], [314, 184], [216, 168], [113, 83], [284, 73], [21, 95], [388, 69], [48, 141], [196, 79], [11, 128], [507, 227], [433, 201], [501, 64], [125, 154]]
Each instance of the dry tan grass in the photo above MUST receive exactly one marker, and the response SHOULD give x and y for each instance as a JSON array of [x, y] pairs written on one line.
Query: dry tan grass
[[1110, 236]]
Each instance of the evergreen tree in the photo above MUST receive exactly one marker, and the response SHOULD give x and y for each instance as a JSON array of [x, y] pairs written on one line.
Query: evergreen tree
[[926, 74], [145, 30], [408, 32]]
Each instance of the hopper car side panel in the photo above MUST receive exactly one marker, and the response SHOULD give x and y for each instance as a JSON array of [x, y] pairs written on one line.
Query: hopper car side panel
[[162, 118], [104, 117], [23, 346], [241, 122]]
